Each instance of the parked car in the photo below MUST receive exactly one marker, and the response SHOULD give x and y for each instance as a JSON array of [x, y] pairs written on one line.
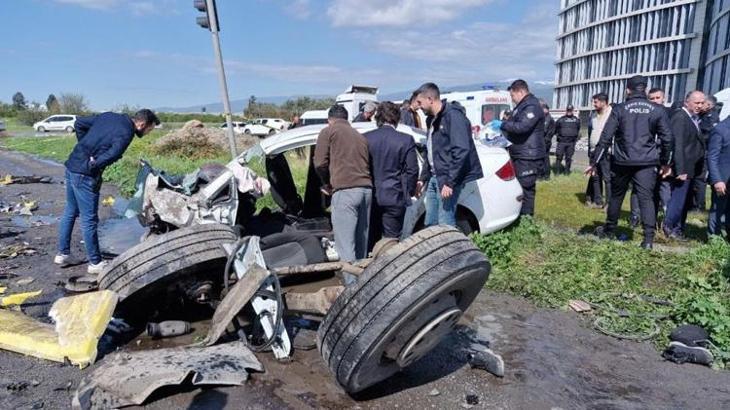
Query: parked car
[[313, 117], [56, 123], [238, 126], [265, 126]]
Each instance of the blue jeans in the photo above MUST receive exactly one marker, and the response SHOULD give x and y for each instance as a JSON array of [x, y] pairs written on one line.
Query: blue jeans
[[440, 211], [82, 200]]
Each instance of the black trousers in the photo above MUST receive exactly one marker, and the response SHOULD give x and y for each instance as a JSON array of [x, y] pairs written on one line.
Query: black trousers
[[564, 150], [699, 192], [599, 186], [385, 222], [527, 173], [546, 165], [644, 179]]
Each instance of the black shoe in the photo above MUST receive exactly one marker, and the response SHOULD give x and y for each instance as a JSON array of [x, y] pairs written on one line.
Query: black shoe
[[602, 233], [679, 352], [647, 245]]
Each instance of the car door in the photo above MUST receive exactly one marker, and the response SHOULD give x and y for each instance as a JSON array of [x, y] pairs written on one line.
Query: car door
[[53, 123]]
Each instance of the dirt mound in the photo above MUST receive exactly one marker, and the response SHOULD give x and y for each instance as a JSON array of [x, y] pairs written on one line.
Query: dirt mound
[[194, 140]]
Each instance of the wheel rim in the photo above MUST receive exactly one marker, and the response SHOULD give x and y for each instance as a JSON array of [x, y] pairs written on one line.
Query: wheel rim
[[428, 337]]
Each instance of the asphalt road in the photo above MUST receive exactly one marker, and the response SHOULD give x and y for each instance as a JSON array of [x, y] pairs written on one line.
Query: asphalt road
[[553, 358]]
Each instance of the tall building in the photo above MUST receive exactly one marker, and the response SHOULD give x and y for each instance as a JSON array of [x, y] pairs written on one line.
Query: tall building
[[716, 74], [602, 43]]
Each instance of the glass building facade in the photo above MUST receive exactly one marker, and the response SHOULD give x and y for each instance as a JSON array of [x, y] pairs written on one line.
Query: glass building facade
[[716, 74]]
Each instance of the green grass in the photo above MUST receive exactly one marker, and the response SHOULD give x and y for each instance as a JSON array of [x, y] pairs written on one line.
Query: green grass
[[551, 265], [561, 202], [13, 125]]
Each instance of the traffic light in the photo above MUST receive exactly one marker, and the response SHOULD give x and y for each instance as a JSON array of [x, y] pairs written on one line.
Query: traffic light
[[210, 20]]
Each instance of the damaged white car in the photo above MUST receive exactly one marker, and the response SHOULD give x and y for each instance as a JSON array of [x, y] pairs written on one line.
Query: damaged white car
[[212, 247]]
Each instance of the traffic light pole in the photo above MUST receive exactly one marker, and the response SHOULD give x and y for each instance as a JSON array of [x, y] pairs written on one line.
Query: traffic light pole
[[213, 21]]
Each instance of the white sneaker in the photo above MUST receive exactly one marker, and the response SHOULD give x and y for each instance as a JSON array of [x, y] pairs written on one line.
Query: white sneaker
[[67, 260], [98, 268]]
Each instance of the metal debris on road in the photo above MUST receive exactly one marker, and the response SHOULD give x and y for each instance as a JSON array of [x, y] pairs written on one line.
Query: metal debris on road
[[129, 378], [13, 251], [168, 328], [486, 360], [108, 201], [25, 179], [434, 393], [24, 281], [579, 306]]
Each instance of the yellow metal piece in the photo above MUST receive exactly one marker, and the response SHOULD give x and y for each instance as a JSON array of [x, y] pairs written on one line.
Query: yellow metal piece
[[17, 298], [80, 322], [7, 180], [3, 289]]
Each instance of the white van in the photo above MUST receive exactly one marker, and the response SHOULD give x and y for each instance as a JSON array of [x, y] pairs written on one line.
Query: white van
[[482, 106], [313, 117], [355, 98]]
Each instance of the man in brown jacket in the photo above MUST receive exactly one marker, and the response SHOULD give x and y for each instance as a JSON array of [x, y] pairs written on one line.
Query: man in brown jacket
[[341, 161]]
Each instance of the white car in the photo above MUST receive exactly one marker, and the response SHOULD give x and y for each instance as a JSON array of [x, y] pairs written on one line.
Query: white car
[[486, 205], [238, 126], [56, 123], [265, 126]]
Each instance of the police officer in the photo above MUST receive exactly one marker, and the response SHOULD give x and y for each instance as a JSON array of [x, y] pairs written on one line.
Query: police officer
[[567, 128], [549, 132], [525, 130], [632, 130]]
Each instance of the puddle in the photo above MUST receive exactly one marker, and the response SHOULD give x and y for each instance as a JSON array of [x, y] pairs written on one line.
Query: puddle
[[119, 234]]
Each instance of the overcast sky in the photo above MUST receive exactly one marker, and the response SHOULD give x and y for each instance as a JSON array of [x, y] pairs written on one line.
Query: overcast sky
[[151, 53]]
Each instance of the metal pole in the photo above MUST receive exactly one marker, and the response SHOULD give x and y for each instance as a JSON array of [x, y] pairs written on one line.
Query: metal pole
[[221, 75]]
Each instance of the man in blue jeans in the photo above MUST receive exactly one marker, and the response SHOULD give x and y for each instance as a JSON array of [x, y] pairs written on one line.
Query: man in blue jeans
[[452, 158], [102, 139]]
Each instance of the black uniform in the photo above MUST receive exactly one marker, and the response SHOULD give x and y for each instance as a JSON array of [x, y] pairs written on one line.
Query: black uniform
[[567, 128], [549, 132], [632, 130], [525, 130], [699, 183]]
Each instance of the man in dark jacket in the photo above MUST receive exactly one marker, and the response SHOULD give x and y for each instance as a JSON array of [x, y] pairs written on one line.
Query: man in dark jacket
[[632, 129], [525, 129], [708, 119], [567, 129], [342, 163], [102, 139], [689, 160], [409, 113], [394, 168], [549, 132], [718, 167], [451, 159]]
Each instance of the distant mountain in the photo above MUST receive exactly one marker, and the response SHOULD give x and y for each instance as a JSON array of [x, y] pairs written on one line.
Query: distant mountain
[[541, 89]]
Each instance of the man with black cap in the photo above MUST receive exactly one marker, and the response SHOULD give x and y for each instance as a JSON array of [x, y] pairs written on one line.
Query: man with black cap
[[567, 128], [632, 130], [549, 132], [102, 140], [525, 129]]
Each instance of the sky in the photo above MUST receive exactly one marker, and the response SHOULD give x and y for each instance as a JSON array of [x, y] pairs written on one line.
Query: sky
[[152, 53]]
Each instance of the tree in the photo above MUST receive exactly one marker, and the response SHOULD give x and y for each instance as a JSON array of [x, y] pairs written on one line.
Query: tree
[[52, 104], [72, 103], [19, 101], [251, 109]]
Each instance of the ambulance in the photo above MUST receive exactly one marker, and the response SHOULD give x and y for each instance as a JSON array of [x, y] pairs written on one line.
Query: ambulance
[[482, 106]]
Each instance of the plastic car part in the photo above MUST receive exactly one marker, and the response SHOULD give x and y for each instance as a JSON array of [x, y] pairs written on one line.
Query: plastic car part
[[128, 378], [79, 323], [402, 305], [269, 310]]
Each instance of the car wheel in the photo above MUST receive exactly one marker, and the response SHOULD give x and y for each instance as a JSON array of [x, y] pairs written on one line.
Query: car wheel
[[463, 222], [69, 129], [247, 131], [41, 129], [272, 132], [401, 306], [142, 270]]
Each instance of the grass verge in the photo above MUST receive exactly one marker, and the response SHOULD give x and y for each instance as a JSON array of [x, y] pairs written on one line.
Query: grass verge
[[552, 266]]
